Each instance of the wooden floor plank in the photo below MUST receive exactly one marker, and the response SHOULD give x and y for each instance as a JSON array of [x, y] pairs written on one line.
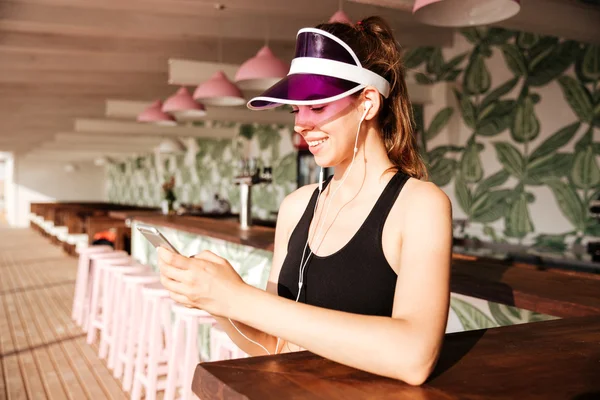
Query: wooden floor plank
[[3, 394], [31, 375], [43, 352], [112, 386], [37, 343], [61, 303], [84, 383], [15, 386], [67, 375], [34, 385], [91, 386]]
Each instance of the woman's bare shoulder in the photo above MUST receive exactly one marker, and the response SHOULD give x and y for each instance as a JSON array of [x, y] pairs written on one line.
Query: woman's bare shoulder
[[294, 204], [423, 196]]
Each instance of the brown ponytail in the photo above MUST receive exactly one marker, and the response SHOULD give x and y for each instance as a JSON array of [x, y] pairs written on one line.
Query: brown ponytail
[[373, 42]]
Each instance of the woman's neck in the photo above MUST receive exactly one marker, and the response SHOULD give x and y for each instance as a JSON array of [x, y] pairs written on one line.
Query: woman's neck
[[367, 172]]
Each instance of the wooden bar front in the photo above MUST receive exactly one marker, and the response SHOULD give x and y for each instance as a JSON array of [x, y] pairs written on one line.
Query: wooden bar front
[[557, 359]]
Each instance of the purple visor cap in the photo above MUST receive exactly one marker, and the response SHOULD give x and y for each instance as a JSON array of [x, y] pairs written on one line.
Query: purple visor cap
[[324, 69]]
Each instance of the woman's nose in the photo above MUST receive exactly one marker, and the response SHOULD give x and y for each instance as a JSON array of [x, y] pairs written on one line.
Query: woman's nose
[[302, 124]]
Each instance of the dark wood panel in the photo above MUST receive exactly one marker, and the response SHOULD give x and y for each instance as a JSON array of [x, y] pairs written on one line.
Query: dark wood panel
[[547, 292], [544, 360]]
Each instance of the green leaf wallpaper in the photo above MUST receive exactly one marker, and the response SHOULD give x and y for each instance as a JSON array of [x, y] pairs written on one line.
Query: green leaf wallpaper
[[208, 168], [522, 163]]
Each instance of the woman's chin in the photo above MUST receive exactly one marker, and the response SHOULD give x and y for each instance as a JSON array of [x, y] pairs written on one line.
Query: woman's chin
[[323, 162]]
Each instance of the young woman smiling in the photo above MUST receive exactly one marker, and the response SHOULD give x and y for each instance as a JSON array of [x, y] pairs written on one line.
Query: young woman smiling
[[361, 262]]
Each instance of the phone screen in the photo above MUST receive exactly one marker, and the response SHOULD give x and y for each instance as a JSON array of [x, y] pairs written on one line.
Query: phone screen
[[157, 239]]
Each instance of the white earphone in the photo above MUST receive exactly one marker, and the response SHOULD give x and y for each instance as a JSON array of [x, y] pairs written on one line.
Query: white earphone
[[368, 105]]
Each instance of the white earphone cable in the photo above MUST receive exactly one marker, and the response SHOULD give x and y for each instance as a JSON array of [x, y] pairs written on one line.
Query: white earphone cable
[[318, 228], [330, 200]]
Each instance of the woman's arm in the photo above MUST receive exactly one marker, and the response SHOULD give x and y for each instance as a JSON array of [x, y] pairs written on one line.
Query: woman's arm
[[290, 211], [404, 347]]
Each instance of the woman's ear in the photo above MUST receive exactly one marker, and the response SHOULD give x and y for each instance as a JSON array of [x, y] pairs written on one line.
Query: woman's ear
[[371, 95]]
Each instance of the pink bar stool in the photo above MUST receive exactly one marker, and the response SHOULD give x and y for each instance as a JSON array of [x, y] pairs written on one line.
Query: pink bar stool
[[98, 317], [222, 347], [129, 329], [120, 316], [94, 258], [83, 270], [184, 347], [154, 342], [111, 298]]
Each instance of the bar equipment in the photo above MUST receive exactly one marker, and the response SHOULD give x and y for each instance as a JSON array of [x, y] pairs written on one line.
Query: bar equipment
[[250, 174]]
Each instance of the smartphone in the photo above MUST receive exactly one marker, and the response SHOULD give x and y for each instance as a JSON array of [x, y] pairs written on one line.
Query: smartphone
[[155, 237]]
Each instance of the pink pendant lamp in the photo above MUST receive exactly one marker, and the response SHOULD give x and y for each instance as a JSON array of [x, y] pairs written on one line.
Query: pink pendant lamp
[[183, 106], [457, 13], [219, 91], [261, 71], [341, 18], [155, 115]]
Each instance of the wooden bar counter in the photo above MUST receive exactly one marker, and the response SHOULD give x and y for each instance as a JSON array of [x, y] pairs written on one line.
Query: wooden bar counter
[[550, 292], [225, 228], [557, 359]]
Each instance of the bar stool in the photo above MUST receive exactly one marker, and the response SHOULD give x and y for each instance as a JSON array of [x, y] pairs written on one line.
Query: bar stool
[[97, 317], [184, 346], [94, 259], [222, 347], [129, 328], [120, 316], [111, 298], [81, 282], [154, 341]]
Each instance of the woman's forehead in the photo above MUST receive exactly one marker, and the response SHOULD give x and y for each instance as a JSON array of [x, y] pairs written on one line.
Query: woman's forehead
[[337, 104]]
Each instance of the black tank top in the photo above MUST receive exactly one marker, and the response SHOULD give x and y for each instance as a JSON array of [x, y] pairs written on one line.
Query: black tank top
[[357, 278]]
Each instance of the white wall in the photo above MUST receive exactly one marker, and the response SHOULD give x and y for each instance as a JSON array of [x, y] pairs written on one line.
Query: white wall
[[34, 181]]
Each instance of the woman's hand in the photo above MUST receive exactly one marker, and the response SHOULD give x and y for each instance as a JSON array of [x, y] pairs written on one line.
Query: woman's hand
[[207, 281]]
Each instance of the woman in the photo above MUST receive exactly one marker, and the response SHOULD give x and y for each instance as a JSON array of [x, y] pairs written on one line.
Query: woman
[[361, 262]]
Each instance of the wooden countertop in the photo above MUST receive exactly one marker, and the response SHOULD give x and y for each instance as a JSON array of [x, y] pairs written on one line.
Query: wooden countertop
[[131, 214], [557, 359], [548, 292], [545, 291], [220, 228]]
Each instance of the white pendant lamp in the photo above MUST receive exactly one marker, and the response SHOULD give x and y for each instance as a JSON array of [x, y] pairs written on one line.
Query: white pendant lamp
[[219, 91], [459, 13], [154, 114], [182, 105], [102, 161], [70, 167], [261, 71], [171, 146]]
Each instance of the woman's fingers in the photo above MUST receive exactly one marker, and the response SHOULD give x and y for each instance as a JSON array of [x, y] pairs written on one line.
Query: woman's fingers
[[175, 260], [174, 286], [209, 256], [176, 274], [181, 299]]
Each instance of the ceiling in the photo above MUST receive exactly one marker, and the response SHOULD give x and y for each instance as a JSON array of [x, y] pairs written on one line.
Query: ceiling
[[61, 59]]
